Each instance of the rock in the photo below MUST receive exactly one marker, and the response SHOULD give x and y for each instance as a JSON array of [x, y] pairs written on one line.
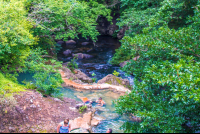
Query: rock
[[79, 105], [18, 109], [136, 58], [87, 56], [33, 106], [32, 129], [73, 109], [67, 52], [60, 42], [82, 76], [78, 55], [135, 118], [94, 122], [58, 100], [111, 79], [12, 129], [122, 64], [90, 50], [85, 43], [70, 44], [121, 33], [83, 122], [82, 56], [88, 105]]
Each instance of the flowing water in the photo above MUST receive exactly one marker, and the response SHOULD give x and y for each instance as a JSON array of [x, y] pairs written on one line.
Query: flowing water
[[102, 51]]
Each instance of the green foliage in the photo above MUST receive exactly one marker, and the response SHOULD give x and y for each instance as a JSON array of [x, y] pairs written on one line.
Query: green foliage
[[166, 93], [29, 84], [66, 19], [94, 79], [7, 86], [115, 73], [82, 108], [47, 78], [15, 36], [72, 65]]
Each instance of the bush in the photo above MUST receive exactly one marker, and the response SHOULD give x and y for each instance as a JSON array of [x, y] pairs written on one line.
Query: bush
[[82, 108], [72, 65]]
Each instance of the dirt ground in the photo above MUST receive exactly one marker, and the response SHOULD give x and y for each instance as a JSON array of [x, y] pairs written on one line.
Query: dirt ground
[[35, 113]]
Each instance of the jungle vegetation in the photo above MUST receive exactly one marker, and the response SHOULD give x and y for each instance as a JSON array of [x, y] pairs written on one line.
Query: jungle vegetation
[[164, 33]]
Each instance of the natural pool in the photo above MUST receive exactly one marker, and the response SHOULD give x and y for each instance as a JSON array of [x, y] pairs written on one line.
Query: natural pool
[[110, 118]]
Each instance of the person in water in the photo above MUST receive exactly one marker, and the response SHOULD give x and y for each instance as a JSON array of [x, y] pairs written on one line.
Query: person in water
[[109, 130], [64, 127], [100, 102], [84, 99]]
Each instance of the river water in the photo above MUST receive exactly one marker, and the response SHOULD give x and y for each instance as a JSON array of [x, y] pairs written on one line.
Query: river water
[[99, 64]]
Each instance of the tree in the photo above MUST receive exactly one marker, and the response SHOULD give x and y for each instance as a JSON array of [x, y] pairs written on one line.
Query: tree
[[166, 92], [66, 18], [15, 35]]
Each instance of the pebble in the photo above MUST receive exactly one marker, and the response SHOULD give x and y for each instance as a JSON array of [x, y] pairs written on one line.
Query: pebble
[[32, 129], [33, 106]]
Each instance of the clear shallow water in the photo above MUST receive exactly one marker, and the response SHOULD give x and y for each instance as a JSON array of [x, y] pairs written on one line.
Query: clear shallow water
[[110, 118]]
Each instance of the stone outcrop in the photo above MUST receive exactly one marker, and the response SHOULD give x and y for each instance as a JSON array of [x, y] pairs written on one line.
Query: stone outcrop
[[82, 76], [85, 122], [71, 83], [114, 80], [78, 76]]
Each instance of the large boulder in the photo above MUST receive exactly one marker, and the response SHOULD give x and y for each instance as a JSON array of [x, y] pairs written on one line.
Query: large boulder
[[84, 122], [67, 52], [114, 80], [82, 76], [69, 75], [78, 76], [70, 44]]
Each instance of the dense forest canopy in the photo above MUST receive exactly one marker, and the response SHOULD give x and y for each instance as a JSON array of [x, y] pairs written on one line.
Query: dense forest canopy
[[164, 34]]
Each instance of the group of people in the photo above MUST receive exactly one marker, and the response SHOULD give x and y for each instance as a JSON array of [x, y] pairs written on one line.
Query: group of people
[[65, 127], [87, 101]]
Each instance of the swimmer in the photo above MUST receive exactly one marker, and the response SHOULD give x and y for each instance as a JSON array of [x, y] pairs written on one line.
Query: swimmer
[[100, 102], [84, 99]]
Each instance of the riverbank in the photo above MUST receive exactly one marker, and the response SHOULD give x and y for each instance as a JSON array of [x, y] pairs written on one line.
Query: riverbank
[[35, 113]]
